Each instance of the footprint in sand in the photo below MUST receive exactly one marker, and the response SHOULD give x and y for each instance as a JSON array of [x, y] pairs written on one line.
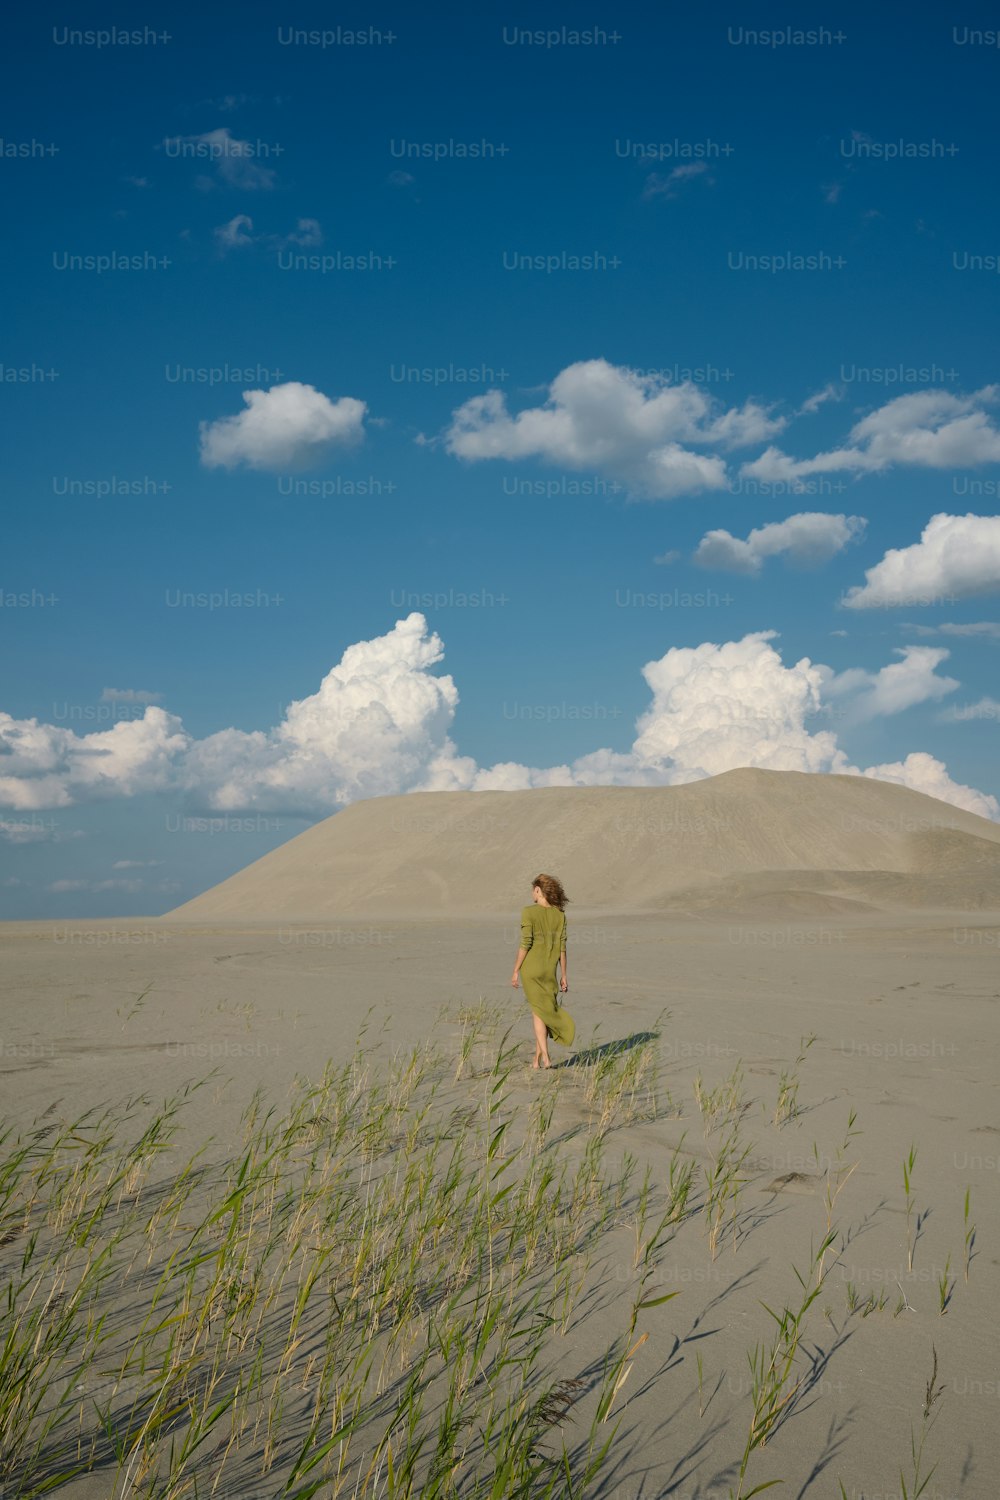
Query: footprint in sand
[[794, 1182]]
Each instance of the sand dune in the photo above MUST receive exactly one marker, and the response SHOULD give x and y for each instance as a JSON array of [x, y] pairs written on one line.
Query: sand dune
[[746, 840]]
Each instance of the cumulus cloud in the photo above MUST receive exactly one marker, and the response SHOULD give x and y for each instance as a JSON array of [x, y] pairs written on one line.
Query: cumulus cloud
[[291, 426], [809, 538], [957, 557], [47, 766], [735, 704], [633, 427], [930, 429], [923, 773], [719, 706], [378, 718], [380, 723]]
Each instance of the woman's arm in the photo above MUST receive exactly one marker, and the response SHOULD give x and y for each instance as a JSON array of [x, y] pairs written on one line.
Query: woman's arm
[[527, 938], [563, 981]]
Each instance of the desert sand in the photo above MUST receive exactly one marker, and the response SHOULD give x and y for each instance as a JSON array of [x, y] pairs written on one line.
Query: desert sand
[[783, 952]]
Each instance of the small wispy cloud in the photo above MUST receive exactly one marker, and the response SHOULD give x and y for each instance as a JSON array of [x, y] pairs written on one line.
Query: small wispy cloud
[[986, 710], [660, 185], [36, 831], [830, 392], [238, 164], [60, 887], [238, 233], [128, 695], [984, 630]]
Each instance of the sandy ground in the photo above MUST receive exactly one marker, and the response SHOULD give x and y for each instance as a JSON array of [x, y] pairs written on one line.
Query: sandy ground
[[904, 1010]]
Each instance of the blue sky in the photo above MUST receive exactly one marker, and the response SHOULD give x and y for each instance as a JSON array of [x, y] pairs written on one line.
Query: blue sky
[[540, 542]]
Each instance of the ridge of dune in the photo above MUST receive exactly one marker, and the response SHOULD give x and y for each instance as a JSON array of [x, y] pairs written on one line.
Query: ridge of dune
[[848, 840]]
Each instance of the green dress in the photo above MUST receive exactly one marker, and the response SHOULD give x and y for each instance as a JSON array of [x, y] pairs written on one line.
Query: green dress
[[543, 934]]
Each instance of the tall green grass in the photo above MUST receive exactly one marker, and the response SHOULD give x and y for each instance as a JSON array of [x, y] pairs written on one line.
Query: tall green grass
[[366, 1298], [376, 1291]]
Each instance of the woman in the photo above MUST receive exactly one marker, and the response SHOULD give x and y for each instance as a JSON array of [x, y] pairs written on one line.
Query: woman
[[542, 951]]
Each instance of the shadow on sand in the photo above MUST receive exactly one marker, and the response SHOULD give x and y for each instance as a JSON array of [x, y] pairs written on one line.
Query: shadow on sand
[[607, 1050]]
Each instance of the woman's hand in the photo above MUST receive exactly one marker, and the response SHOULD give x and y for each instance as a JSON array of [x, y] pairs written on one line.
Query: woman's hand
[[564, 985], [516, 979]]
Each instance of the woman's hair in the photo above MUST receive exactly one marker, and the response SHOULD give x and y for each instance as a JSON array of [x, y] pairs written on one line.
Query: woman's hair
[[551, 889]]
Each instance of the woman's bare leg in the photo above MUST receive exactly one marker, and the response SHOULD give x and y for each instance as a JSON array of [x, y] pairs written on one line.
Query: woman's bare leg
[[541, 1042]]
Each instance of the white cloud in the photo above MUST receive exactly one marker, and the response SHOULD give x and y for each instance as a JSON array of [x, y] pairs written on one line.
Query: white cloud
[[33, 831], [985, 630], [988, 630], [235, 234], [658, 185], [809, 538], [891, 690], [813, 403], [376, 721], [306, 232], [380, 723], [235, 161], [239, 234], [128, 695], [48, 766], [60, 887], [986, 710], [719, 706], [957, 557], [633, 427], [931, 429], [291, 426], [923, 773]]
